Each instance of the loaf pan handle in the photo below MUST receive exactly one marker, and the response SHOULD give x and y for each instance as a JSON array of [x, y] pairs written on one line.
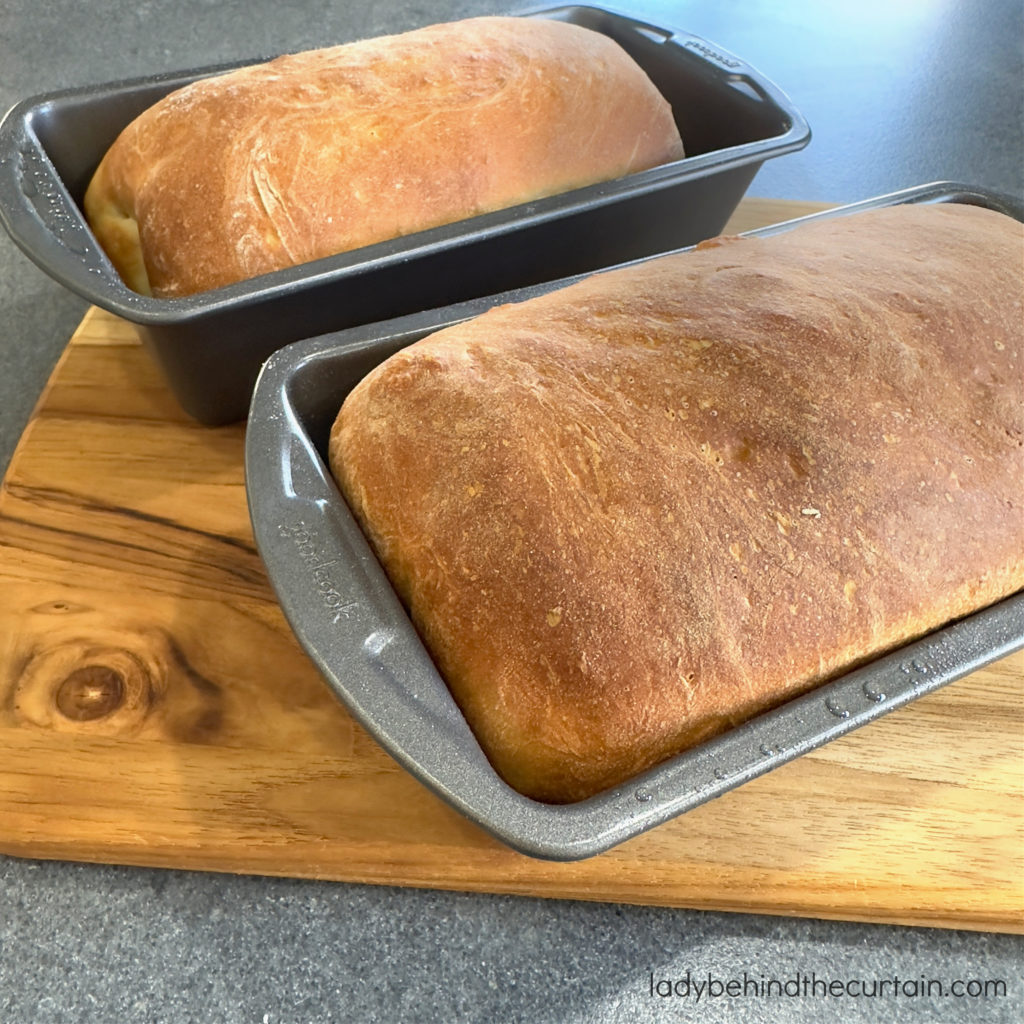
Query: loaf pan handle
[[725, 65], [40, 215], [761, 89]]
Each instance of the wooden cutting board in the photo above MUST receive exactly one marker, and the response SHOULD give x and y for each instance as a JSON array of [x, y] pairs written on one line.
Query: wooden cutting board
[[155, 710]]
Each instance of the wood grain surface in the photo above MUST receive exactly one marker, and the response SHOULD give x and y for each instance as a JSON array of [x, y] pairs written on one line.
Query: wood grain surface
[[155, 710]]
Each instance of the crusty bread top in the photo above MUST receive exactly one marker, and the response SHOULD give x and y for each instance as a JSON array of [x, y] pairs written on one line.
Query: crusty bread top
[[329, 150], [633, 512]]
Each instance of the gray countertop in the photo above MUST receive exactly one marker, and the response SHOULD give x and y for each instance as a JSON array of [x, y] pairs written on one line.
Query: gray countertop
[[897, 94]]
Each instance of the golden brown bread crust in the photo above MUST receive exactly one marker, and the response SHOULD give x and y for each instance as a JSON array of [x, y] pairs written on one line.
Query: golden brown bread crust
[[329, 150], [633, 512]]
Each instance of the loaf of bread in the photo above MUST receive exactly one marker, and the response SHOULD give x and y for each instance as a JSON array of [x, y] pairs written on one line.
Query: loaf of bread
[[326, 151], [631, 513]]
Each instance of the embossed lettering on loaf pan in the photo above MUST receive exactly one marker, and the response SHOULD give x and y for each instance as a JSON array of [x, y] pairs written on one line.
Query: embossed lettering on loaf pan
[[211, 345], [349, 620]]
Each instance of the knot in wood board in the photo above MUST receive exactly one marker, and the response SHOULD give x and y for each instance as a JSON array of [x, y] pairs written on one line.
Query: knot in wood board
[[93, 679], [90, 692]]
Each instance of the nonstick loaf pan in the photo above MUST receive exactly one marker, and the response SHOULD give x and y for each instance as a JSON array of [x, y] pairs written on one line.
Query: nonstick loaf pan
[[211, 345], [347, 617]]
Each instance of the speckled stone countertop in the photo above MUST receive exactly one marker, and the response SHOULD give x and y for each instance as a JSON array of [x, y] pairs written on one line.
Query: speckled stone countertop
[[897, 94]]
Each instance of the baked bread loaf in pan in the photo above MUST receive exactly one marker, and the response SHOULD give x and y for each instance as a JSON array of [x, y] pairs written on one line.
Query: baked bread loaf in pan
[[629, 514], [326, 151]]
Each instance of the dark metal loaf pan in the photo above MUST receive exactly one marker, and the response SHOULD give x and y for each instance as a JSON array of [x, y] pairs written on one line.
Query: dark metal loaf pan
[[346, 616], [211, 345]]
